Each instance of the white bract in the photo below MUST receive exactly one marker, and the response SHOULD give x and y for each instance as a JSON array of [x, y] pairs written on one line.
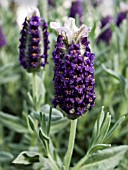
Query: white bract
[[70, 31]]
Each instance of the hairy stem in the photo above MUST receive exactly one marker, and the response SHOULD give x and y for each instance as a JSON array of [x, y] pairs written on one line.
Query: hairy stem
[[34, 91], [68, 155], [53, 162], [81, 162]]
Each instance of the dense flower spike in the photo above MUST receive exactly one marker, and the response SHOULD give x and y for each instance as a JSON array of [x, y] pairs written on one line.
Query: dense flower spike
[[34, 35], [107, 34], [73, 76], [3, 41], [77, 9]]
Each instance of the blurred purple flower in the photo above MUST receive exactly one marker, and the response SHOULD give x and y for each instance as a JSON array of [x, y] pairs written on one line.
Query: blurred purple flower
[[34, 31], [51, 2], [3, 40], [107, 34], [77, 9], [121, 16], [96, 2]]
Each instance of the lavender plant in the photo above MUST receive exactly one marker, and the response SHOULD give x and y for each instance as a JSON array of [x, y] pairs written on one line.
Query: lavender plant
[[43, 134], [74, 94]]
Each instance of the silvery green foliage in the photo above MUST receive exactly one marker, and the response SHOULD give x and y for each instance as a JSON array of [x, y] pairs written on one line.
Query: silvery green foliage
[[106, 159], [102, 131], [99, 153]]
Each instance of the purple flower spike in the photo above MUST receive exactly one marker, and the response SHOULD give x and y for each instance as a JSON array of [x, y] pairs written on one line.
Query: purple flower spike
[[121, 17], [77, 9], [34, 31], [123, 14], [3, 41], [107, 34], [73, 74]]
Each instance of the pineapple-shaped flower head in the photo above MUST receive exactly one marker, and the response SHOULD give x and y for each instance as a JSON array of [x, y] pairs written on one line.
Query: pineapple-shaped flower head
[[34, 42], [77, 9], [106, 35], [3, 41], [74, 69], [123, 14]]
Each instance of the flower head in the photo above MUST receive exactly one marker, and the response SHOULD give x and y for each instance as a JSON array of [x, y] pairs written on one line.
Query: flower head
[[74, 71], [34, 34]]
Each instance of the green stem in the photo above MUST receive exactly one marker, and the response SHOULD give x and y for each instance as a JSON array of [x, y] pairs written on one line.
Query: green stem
[[68, 155], [34, 91], [53, 162], [81, 162]]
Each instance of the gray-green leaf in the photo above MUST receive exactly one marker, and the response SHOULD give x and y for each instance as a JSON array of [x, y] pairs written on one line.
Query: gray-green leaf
[[105, 159], [5, 157], [13, 122]]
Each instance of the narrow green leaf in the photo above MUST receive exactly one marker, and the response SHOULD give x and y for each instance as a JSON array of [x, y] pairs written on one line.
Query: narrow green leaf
[[7, 79], [30, 98], [116, 125], [44, 125], [104, 129], [94, 135], [13, 122], [42, 135], [115, 75], [31, 122], [49, 121], [5, 157], [100, 119], [99, 147]]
